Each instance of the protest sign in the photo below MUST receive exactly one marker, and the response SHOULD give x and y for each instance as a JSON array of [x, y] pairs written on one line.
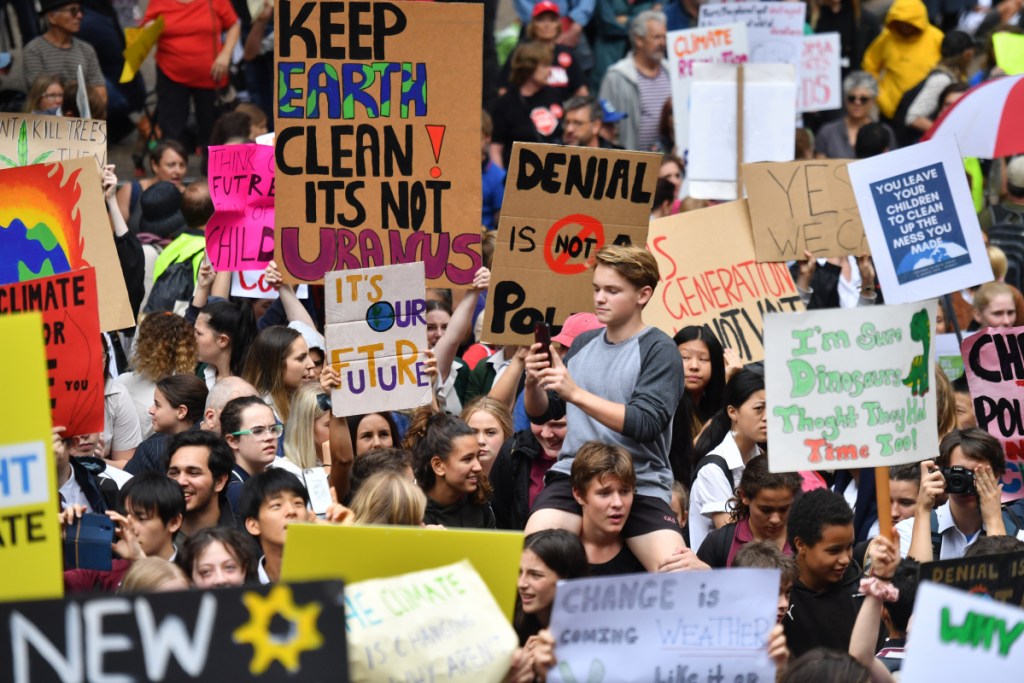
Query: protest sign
[[851, 387], [994, 363], [52, 220], [919, 219], [768, 132], [1000, 577], [697, 627], [703, 283], [561, 206], [268, 633], [726, 44], [386, 621], [1009, 49], [947, 354], [250, 284], [801, 206], [378, 138], [74, 351], [138, 44], [240, 234], [30, 543], [959, 636], [27, 139], [820, 89], [376, 333], [359, 553]]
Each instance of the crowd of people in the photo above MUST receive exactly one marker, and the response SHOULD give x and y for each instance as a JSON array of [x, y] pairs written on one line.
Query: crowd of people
[[616, 449]]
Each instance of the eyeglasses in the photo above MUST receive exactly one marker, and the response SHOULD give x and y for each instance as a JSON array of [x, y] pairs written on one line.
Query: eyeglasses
[[259, 432], [858, 99], [53, 96], [323, 402], [72, 11]]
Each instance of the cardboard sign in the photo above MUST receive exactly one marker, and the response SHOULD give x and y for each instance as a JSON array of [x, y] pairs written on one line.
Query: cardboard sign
[[994, 363], [726, 44], [801, 206], [703, 283], [139, 43], [561, 206], [279, 633], [30, 543], [686, 626], [820, 88], [1009, 48], [959, 636], [359, 553], [919, 219], [249, 284], [74, 351], [376, 333], [387, 619], [53, 219], [769, 110], [378, 138], [1000, 577], [851, 387], [27, 139], [240, 234]]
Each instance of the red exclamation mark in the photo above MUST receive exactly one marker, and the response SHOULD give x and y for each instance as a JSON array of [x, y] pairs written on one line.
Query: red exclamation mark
[[436, 134]]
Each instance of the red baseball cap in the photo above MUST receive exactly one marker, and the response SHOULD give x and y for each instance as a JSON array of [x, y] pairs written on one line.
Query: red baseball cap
[[575, 325], [545, 6]]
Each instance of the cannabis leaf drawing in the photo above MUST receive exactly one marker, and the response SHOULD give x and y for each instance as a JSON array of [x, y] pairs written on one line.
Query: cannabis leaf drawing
[[23, 151]]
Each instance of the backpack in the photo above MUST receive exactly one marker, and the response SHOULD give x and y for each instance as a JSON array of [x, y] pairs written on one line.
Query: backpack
[[719, 461], [905, 135], [176, 283]]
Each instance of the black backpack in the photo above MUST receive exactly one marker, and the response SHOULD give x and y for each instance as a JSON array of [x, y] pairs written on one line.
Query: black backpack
[[712, 459], [175, 284], [905, 135]]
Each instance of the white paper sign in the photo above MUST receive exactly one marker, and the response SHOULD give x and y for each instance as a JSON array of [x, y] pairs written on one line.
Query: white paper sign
[[249, 284], [435, 625], [820, 89], [850, 387], [957, 636], [726, 44], [688, 626], [775, 29], [377, 338], [769, 132], [919, 219]]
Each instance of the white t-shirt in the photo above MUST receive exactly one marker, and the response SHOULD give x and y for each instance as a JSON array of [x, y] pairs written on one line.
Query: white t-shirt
[[711, 490]]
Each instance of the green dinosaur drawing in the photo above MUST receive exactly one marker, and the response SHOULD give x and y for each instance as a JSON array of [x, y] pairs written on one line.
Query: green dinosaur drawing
[[23, 151], [594, 675], [920, 330]]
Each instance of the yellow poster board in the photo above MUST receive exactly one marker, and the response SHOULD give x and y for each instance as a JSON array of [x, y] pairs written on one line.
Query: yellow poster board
[[1009, 49], [360, 553], [30, 551], [139, 43]]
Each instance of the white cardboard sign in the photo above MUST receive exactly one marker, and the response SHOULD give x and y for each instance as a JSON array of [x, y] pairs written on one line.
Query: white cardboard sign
[[820, 89], [249, 284]]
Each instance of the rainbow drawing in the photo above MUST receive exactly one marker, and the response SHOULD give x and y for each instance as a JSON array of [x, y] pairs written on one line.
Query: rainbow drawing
[[40, 222]]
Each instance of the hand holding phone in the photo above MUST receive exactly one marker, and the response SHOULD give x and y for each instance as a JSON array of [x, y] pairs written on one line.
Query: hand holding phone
[[542, 336]]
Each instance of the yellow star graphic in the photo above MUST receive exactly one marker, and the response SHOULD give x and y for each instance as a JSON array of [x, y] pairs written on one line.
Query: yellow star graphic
[[267, 647]]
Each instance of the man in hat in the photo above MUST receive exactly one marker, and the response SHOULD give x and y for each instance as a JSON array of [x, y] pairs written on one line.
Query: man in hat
[[58, 52], [582, 122], [957, 51]]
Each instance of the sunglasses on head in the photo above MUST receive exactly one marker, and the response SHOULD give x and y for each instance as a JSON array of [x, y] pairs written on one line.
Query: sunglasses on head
[[323, 402], [858, 99]]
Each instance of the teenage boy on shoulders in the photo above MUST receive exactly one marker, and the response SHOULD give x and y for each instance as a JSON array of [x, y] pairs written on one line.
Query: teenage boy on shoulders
[[270, 501], [618, 385], [201, 463]]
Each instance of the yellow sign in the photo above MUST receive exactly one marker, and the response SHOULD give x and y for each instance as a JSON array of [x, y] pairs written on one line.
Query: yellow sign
[[30, 545], [360, 553], [140, 42], [1009, 49]]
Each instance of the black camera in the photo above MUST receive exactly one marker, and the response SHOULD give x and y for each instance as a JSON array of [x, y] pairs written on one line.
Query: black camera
[[959, 479]]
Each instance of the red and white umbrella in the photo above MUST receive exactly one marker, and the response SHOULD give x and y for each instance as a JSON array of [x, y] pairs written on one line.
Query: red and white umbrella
[[988, 121]]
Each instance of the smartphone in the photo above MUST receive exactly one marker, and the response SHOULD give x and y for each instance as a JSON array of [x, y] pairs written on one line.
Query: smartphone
[[542, 336], [88, 543]]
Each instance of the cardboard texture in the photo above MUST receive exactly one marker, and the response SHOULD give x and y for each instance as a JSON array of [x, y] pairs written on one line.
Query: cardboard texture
[[994, 364], [53, 219], [30, 543], [709, 277], [376, 336], [27, 139], [561, 206], [378, 138], [357, 553], [800, 206], [240, 235], [820, 88], [74, 352], [851, 388], [386, 620]]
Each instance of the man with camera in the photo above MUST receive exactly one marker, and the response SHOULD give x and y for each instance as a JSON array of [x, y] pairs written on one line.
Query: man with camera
[[968, 469]]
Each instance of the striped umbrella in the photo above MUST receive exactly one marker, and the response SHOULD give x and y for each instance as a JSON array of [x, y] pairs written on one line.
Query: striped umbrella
[[988, 121]]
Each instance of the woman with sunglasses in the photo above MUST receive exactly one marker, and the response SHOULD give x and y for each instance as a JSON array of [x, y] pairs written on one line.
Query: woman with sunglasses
[[837, 139], [251, 430]]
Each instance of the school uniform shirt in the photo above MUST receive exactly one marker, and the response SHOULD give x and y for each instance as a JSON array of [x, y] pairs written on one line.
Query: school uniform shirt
[[261, 571], [954, 542], [121, 429], [711, 491]]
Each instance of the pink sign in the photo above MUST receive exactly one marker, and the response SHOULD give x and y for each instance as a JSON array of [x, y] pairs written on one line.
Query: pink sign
[[994, 364], [240, 236]]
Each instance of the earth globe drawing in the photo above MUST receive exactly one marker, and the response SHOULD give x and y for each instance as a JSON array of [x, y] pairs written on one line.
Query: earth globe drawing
[[945, 251], [380, 316], [29, 253]]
